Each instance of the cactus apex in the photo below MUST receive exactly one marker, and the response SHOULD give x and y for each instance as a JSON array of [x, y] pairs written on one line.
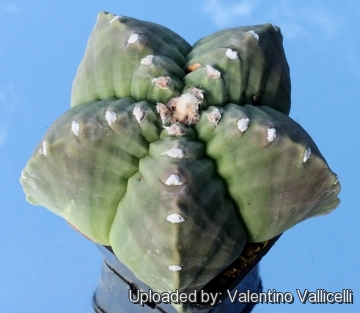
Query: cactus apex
[[184, 109]]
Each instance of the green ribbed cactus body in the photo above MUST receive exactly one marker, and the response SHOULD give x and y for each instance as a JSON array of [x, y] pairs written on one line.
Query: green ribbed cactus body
[[251, 63], [176, 156], [81, 168], [128, 57], [122, 180], [175, 235], [181, 200], [273, 169]]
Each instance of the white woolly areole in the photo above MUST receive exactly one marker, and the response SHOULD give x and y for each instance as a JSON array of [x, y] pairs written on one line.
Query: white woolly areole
[[148, 60], [256, 36], [243, 124], [163, 82], [214, 116], [174, 130], [43, 149], [271, 134], [175, 268], [75, 128], [197, 92], [187, 100], [22, 175], [175, 152], [212, 73], [185, 109], [133, 38], [173, 180], [163, 111], [231, 54], [115, 18], [175, 218], [110, 117], [139, 114], [307, 155]]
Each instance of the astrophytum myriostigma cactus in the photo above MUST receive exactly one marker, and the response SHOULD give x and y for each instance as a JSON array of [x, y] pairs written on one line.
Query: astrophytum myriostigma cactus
[[176, 156]]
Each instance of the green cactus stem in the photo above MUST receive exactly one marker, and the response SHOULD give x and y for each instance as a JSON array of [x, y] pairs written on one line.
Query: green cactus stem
[[176, 156], [110, 182]]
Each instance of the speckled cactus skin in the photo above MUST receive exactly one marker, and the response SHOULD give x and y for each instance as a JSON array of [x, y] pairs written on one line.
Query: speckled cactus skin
[[177, 155]]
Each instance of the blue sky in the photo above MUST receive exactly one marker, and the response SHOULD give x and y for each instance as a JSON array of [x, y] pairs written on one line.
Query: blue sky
[[47, 267]]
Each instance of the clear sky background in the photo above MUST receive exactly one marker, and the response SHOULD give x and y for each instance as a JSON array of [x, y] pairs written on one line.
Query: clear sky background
[[48, 267]]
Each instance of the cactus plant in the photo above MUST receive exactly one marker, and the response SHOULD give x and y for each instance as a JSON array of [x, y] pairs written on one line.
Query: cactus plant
[[177, 155]]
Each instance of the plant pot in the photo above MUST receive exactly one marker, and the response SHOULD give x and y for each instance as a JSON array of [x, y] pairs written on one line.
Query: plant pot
[[120, 291]]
